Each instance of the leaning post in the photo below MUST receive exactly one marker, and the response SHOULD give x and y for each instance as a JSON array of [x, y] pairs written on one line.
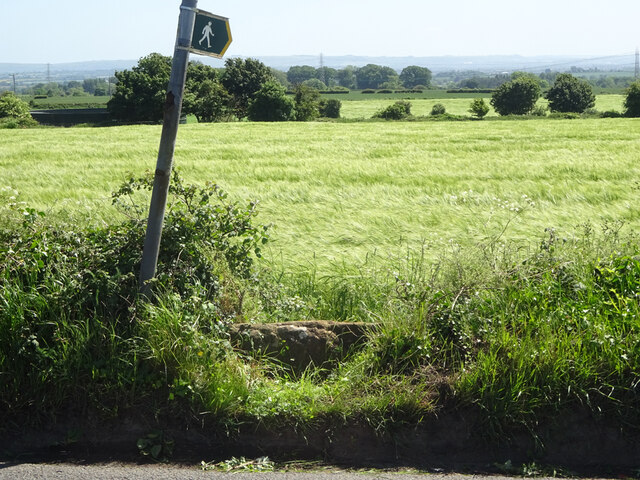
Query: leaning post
[[172, 111]]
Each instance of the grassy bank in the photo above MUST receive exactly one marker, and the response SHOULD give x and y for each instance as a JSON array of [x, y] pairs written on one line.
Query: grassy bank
[[518, 334]]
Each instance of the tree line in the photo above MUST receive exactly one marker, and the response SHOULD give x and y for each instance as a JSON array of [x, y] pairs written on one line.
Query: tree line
[[245, 88], [73, 88], [469, 80], [369, 76]]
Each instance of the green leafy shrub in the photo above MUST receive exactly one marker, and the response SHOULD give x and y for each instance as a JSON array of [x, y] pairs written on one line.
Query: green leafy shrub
[[539, 111], [330, 108], [14, 112], [611, 114], [307, 102], [271, 104], [397, 111], [71, 319], [632, 100], [438, 109], [479, 108], [368, 90]]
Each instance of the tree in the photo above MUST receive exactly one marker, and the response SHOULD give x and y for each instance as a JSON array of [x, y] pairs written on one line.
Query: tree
[[300, 73], [479, 108], [307, 100], [542, 83], [414, 75], [328, 76], [271, 104], [204, 96], [372, 76], [140, 92], [315, 84], [517, 97], [347, 77], [438, 109], [330, 108], [209, 102], [398, 111], [570, 94], [11, 106], [632, 100], [280, 76], [242, 79]]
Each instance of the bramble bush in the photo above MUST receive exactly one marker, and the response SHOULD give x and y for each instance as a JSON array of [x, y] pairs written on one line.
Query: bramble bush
[[71, 323]]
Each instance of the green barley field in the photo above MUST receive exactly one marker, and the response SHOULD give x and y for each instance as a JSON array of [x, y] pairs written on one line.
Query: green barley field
[[456, 104], [435, 233], [338, 192]]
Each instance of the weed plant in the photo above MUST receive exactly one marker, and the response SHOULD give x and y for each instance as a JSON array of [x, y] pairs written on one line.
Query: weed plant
[[75, 335]]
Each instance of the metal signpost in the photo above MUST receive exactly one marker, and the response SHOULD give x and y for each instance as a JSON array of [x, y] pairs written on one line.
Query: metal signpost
[[199, 32]]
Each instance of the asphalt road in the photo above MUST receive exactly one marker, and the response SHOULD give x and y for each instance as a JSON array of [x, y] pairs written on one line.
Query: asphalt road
[[30, 471]]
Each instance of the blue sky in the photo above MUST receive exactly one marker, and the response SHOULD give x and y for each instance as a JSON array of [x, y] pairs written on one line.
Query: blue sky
[[55, 31]]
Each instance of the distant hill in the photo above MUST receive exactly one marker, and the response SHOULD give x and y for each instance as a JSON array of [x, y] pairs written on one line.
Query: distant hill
[[27, 74]]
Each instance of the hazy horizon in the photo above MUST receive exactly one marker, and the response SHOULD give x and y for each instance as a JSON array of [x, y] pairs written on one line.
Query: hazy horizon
[[66, 31]]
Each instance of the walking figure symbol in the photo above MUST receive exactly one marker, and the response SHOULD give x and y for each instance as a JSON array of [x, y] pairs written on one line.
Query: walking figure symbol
[[207, 33]]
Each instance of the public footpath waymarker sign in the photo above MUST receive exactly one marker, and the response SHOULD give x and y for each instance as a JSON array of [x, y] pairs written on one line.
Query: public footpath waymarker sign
[[198, 32], [211, 34]]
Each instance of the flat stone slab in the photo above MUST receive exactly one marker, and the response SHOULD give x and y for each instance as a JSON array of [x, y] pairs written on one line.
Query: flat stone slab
[[301, 344]]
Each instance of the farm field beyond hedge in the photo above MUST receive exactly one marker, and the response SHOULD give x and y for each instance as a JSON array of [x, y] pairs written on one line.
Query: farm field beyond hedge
[[338, 192]]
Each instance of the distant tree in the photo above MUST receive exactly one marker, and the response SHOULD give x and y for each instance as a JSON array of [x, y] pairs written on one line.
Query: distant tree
[[397, 111], [479, 108], [301, 73], [373, 76], [328, 76], [542, 83], [204, 96], [414, 75], [570, 94], [517, 97], [347, 77], [632, 100], [315, 84], [72, 85], [271, 104], [76, 92], [209, 102], [140, 92], [242, 79], [307, 102], [330, 108], [438, 109], [281, 77]]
